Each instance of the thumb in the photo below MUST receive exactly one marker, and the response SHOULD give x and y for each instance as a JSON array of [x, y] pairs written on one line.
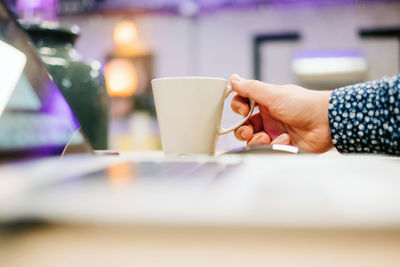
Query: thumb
[[260, 92]]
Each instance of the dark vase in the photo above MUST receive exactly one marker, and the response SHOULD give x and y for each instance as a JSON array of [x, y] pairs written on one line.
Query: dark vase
[[80, 81]]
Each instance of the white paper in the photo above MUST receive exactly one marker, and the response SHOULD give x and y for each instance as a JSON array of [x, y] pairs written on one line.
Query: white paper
[[12, 63]]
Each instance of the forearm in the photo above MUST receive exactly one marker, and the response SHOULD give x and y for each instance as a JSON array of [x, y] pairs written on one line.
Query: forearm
[[366, 117]]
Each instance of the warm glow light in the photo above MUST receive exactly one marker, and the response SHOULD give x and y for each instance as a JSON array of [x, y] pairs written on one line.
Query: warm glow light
[[125, 33], [121, 78], [121, 174]]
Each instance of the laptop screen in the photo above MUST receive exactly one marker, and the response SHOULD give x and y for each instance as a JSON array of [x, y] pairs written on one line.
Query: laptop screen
[[36, 121]]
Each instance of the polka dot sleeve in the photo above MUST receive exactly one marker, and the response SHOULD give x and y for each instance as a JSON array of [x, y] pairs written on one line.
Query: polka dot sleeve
[[365, 118]]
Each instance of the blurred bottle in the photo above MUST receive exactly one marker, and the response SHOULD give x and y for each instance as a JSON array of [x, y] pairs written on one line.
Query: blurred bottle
[[80, 81]]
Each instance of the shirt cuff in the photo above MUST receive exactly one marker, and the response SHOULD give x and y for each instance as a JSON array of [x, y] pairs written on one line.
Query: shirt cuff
[[362, 118]]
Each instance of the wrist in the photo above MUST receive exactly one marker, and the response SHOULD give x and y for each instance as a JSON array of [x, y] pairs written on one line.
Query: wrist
[[323, 120]]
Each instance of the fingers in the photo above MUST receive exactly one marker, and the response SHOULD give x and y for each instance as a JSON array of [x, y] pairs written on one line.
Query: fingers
[[260, 138], [240, 105], [258, 91], [283, 139], [246, 131]]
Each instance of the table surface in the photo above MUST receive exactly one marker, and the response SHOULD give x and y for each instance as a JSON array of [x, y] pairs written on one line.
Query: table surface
[[366, 188], [66, 245]]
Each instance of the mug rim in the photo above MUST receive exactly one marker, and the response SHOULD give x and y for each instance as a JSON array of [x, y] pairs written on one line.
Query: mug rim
[[189, 78]]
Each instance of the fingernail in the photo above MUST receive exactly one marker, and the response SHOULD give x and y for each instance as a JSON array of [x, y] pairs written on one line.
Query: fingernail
[[260, 138], [235, 78], [242, 135], [241, 111], [282, 138]]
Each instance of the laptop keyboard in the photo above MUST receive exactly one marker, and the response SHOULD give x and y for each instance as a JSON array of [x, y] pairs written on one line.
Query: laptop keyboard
[[32, 130]]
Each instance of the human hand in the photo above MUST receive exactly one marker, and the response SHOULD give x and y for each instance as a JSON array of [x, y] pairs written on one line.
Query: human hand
[[289, 114]]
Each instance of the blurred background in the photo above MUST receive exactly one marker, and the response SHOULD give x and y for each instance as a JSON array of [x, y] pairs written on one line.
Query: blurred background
[[104, 53]]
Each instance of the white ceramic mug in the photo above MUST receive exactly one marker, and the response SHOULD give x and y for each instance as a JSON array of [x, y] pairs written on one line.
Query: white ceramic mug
[[189, 112]]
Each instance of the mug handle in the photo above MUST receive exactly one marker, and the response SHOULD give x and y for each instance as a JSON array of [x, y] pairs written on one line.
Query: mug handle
[[242, 121]]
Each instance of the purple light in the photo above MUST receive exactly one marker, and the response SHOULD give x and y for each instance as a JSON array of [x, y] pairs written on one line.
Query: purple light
[[328, 53], [55, 105], [29, 3], [34, 10]]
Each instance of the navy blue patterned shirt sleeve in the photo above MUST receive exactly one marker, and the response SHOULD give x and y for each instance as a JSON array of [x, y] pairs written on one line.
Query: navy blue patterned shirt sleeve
[[365, 118]]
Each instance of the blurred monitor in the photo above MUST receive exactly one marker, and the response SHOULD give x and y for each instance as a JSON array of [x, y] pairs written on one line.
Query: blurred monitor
[[329, 68], [36, 121]]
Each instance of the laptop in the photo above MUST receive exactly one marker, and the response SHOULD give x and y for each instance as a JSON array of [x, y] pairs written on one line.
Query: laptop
[[36, 120], [37, 125]]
